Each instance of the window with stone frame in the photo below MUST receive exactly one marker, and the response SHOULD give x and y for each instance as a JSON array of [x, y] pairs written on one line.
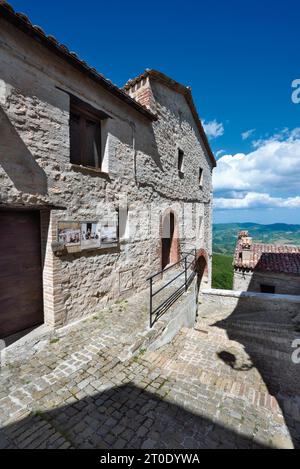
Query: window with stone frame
[[180, 162], [200, 177], [85, 135], [200, 227]]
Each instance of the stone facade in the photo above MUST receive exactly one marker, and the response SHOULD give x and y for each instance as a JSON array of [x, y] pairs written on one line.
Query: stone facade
[[249, 281], [139, 172]]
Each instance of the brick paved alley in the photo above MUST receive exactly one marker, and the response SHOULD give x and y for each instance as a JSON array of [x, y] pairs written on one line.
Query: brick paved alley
[[74, 391]]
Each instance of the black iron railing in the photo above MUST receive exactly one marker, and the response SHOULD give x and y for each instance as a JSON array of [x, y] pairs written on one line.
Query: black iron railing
[[185, 264]]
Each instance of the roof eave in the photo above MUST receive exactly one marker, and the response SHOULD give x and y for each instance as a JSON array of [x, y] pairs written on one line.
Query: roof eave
[[23, 23]]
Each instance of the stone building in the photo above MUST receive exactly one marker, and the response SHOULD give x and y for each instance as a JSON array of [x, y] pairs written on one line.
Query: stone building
[[99, 186], [266, 268]]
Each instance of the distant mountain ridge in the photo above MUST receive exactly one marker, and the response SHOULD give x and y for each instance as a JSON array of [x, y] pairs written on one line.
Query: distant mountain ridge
[[225, 235]]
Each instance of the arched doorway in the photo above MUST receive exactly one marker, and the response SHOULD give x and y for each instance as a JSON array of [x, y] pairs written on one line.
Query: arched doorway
[[201, 269], [169, 240]]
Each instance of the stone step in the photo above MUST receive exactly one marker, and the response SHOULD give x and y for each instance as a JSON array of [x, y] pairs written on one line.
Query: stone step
[[265, 332], [251, 361], [278, 340], [273, 324], [278, 334], [264, 347], [250, 346], [277, 323], [263, 328], [277, 347]]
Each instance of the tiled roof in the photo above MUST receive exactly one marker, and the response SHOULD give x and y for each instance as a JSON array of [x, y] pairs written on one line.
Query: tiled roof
[[179, 88], [270, 258], [23, 23]]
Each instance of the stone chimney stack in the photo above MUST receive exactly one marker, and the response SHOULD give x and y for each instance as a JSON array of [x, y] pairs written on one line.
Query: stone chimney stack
[[140, 90], [246, 244]]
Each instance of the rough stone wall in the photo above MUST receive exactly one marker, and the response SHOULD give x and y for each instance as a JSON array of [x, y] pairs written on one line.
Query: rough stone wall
[[174, 130], [140, 160], [251, 281]]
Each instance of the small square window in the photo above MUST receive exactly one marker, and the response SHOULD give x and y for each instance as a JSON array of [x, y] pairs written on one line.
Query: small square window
[[180, 162], [267, 289], [200, 177]]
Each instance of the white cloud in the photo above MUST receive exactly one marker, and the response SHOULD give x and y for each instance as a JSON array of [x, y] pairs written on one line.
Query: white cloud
[[220, 152], [213, 129], [256, 200], [268, 176], [248, 133], [284, 135]]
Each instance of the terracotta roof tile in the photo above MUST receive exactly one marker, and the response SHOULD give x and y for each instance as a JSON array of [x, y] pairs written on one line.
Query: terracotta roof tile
[[270, 258]]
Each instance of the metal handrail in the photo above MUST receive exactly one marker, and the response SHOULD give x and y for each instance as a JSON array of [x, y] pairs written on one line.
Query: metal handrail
[[172, 298], [171, 266], [167, 284]]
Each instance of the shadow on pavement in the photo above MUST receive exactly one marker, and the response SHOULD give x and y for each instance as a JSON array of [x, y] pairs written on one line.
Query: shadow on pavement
[[122, 417], [266, 335]]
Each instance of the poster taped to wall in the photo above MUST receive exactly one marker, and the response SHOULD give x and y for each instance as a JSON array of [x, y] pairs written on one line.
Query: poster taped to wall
[[69, 233], [109, 233], [88, 235]]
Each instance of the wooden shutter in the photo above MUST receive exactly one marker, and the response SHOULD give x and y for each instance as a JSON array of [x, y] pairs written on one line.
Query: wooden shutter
[[75, 139], [92, 143]]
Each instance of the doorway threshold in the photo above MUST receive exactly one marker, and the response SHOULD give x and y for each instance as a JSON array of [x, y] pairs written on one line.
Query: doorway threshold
[[23, 337]]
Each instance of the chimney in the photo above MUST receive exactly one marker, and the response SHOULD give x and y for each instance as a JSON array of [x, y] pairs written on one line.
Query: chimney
[[245, 242], [140, 90]]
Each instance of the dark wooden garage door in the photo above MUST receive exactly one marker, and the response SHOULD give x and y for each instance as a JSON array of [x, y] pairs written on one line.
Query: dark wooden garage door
[[21, 294]]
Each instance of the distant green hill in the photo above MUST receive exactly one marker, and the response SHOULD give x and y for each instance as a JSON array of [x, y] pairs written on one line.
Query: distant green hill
[[224, 242], [225, 235], [222, 273]]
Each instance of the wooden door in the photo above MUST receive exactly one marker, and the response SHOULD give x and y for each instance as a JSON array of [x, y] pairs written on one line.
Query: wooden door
[[21, 293]]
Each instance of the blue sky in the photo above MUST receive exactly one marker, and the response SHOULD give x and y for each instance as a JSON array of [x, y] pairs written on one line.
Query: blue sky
[[240, 58]]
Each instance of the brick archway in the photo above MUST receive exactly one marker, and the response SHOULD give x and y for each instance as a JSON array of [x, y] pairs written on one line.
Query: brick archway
[[170, 251], [201, 267]]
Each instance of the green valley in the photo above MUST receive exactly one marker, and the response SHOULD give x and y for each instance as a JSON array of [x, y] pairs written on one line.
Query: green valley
[[225, 235], [224, 241]]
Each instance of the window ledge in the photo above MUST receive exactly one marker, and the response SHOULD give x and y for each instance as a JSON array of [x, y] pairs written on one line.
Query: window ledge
[[125, 241], [89, 169]]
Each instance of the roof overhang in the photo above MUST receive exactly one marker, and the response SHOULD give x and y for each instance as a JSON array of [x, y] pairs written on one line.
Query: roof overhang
[[22, 22]]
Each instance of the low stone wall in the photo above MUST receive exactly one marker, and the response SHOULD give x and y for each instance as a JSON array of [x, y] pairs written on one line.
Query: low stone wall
[[254, 302]]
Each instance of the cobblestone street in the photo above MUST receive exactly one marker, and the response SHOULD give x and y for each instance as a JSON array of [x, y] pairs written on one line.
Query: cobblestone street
[[74, 391]]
